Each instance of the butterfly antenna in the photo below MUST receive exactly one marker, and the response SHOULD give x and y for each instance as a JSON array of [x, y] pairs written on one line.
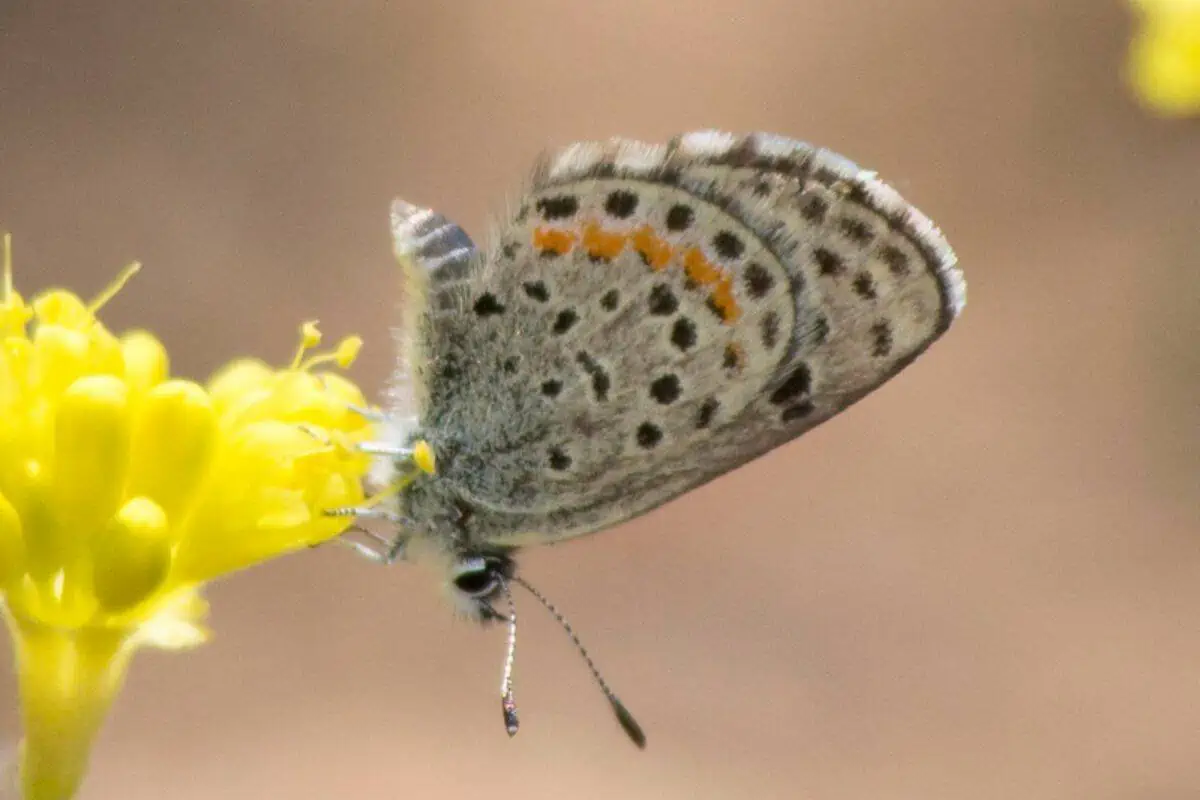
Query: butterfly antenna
[[511, 722], [628, 723]]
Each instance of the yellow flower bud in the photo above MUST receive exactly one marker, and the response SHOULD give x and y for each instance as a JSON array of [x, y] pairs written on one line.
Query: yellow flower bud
[[131, 556], [146, 363], [12, 544], [172, 445], [342, 391], [46, 544], [104, 352], [339, 397], [60, 307], [1164, 56], [91, 451], [14, 314], [60, 356], [231, 385]]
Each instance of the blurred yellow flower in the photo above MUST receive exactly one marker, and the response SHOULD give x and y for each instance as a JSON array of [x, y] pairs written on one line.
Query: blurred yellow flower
[[1164, 58], [122, 490]]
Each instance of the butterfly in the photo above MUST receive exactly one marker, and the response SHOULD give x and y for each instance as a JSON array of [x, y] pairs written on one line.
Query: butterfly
[[650, 317]]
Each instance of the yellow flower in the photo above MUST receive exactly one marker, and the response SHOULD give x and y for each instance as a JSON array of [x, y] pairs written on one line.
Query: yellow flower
[[122, 490], [1164, 58]]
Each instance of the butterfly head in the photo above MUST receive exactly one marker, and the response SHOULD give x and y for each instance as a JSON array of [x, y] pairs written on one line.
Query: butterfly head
[[478, 582]]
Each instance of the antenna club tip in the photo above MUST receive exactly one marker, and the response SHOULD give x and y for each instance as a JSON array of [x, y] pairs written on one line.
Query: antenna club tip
[[511, 723], [630, 725]]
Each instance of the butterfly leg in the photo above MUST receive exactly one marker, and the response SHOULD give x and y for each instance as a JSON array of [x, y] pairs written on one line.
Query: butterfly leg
[[395, 451], [381, 550], [419, 455], [365, 512], [369, 414]]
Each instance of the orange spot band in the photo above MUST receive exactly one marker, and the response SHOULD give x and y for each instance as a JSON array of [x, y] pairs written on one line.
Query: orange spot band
[[553, 239], [722, 298], [657, 253], [699, 268], [601, 243]]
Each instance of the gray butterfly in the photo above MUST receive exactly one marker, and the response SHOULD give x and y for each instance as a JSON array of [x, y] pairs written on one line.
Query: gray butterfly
[[651, 317]]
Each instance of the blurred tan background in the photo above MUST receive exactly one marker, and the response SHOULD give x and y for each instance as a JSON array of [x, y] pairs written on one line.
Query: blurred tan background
[[982, 582]]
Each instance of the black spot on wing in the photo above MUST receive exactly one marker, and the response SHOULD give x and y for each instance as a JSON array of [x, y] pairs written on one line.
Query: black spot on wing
[[728, 245], [683, 334], [895, 259], [856, 230], [828, 262], [758, 280], [881, 339], [560, 207], [559, 460], [601, 383], [649, 435], [813, 208], [565, 320], [621, 204], [679, 217], [666, 389], [797, 384], [487, 305], [663, 301], [708, 410], [864, 286], [537, 290]]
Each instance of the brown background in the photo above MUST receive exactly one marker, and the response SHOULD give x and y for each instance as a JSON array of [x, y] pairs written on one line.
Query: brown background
[[983, 582]]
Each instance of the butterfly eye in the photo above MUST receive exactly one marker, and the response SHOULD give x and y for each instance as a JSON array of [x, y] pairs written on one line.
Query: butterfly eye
[[478, 583], [477, 577]]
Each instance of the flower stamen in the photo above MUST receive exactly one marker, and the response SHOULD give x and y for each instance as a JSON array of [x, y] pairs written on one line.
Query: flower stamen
[[8, 278], [343, 355], [310, 337], [114, 288]]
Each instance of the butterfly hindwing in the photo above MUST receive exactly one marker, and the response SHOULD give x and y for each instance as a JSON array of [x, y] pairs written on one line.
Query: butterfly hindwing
[[653, 316]]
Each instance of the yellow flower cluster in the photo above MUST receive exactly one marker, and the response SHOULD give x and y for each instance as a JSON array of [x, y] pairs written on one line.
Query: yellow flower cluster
[[123, 489], [1164, 59]]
